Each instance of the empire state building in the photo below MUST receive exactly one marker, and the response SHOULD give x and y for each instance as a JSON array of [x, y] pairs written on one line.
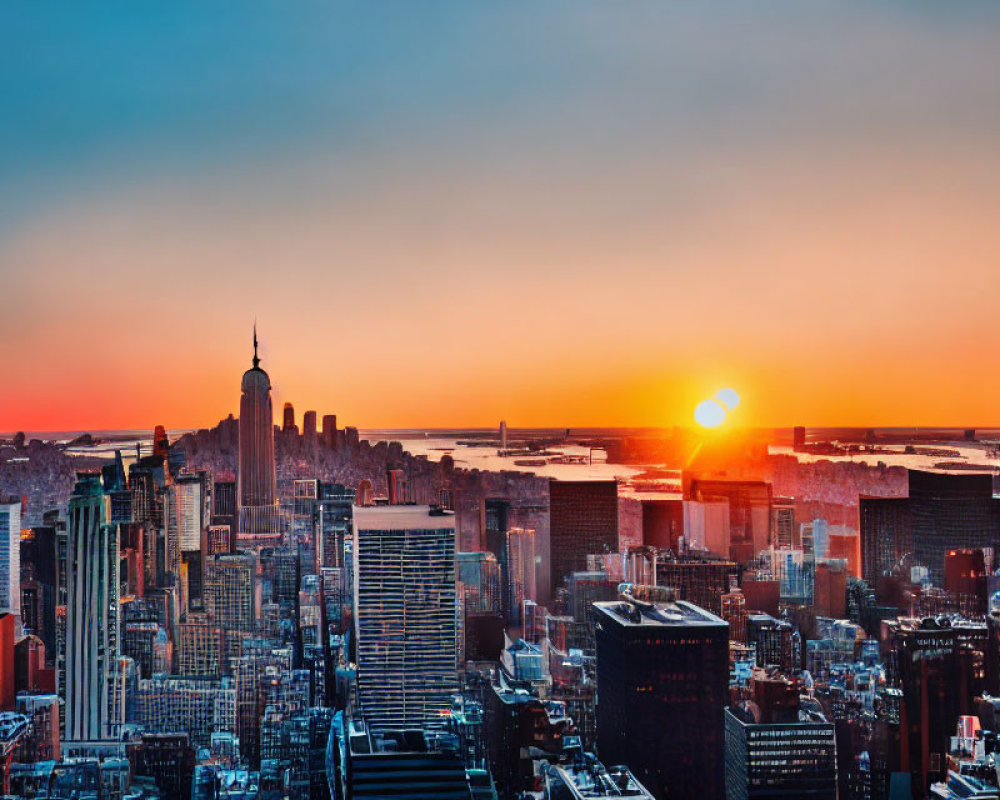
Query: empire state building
[[258, 500]]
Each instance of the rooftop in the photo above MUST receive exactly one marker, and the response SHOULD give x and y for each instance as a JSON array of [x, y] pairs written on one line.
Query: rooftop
[[592, 781], [402, 518], [636, 613]]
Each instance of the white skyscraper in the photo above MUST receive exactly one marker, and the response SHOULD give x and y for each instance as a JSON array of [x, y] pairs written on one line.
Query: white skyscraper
[[406, 614], [10, 556], [190, 512]]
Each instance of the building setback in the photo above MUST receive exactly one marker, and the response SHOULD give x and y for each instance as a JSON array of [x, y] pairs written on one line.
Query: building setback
[[257, 492]]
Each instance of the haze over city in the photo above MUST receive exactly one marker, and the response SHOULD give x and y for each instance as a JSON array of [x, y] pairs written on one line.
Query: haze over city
[[500, 401], [448, 215]]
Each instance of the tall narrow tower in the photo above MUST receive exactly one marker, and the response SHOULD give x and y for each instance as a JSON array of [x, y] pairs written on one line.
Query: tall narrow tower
[[92, 613], [257, 492], [10, 556]]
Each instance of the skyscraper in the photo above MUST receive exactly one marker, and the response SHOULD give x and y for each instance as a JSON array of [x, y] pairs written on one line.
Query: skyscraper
[[584, 521], [406, 614], [257, 490], [662, 684], [92, 615], [521, 566], [309, 425], [940, 513], [229, 591], [938, 665], [794, 757], [330, 430], [10, 556], [336, 503]]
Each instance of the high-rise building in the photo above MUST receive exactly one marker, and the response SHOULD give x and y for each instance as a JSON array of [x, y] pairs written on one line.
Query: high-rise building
[[190, 508], [398, 483], [965, 572], [197, 706], [799, 437], [330, 430], [479, 577], [885, 535], [734, 611], [421, 765], [777, 642], [405, 614], [169, 759], [224, 504], [92, 639], [519, 726], [257, 483], [749, 512], [229, 592], [309, 425], [939, 666], [662, 680], [583, 520], [830, 589], [521, 566], [941, 513], [10, 556], [199, 647], [288, 418], [789, 758], [218, 539], [697, 581], [783, 528], [662, 522], [335, 502], [38, 593]]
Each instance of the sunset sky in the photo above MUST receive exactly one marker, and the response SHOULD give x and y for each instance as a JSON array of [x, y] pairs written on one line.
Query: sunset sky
[[451, 213]]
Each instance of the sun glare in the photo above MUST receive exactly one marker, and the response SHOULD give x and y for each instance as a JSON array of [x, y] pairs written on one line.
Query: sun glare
[[728, 397], [709, 414]]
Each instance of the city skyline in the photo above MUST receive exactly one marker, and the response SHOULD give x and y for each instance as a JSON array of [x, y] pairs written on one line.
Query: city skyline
[[463, 401], [604, 219]]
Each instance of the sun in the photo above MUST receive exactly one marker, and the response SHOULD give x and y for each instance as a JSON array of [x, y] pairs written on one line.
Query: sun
[[712, 413], [709, 414], [728, 397]]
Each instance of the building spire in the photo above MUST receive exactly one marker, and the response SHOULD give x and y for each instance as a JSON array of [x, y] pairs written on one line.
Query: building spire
[[256, 360]]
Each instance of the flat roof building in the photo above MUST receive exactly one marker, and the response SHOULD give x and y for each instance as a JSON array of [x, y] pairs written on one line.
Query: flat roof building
[[662, 685], [784, 759], [406, 614]]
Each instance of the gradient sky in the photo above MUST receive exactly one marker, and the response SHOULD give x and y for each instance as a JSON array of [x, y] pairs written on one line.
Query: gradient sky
[[560, 213]]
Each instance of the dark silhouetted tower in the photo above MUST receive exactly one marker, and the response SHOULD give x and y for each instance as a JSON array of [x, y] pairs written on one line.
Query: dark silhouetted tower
[[309, 425], [161, 447], [288, 419], [330, 430], [257, 491]]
